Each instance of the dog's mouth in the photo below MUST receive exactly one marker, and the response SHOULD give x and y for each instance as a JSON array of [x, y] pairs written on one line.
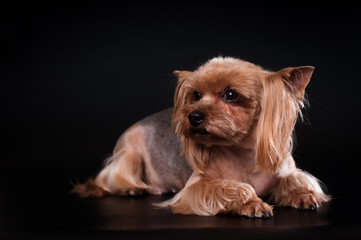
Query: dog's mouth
[[208, 138], [200, 131]]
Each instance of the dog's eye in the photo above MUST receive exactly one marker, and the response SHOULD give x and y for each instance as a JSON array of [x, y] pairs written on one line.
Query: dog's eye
[[197, 95], [230, 95]]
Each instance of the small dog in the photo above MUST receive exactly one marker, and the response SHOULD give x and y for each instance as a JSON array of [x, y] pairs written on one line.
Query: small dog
[[234, 125]]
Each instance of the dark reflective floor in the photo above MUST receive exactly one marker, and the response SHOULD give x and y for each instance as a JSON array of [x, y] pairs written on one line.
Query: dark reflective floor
[[39, 205]]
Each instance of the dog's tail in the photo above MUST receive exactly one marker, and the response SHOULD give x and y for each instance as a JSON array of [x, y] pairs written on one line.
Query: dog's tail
[[123, 172]]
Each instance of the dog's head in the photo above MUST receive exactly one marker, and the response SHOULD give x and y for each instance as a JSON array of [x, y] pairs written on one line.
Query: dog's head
[[227, 100]]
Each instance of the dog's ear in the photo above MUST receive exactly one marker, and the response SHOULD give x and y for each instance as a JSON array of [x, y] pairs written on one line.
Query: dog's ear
[[297, 78], [179, 95], [283, 95], [182, 75]]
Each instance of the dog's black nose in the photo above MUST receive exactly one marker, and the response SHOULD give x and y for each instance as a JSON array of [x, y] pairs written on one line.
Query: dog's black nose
[[195, 118]]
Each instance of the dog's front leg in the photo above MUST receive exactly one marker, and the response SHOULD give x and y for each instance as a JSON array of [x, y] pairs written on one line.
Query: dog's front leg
[[210, 196], [300, 190]]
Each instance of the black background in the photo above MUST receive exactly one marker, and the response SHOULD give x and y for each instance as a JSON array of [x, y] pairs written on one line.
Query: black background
[[75, 76]]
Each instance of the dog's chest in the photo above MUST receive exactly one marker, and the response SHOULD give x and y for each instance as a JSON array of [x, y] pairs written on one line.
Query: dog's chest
[[263, 183], [239, 166]]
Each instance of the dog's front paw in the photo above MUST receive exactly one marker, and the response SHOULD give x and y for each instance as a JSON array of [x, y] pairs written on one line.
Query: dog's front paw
[[304, 201], [257, 208]]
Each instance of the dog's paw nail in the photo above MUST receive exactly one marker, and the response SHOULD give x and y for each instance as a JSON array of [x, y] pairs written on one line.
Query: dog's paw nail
[[267, 214], [256, 209], [305, 201], [315, 206], [302, 207], [271, 213]]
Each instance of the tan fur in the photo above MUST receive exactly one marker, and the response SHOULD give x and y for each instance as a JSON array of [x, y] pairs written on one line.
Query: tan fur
[[264, 123], [123, 172], [207, 196], [89, 189], [239, 152], [299, 189], [277, 121]]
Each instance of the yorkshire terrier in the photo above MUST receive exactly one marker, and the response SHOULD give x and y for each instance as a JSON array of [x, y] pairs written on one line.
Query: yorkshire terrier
[[234, 124]]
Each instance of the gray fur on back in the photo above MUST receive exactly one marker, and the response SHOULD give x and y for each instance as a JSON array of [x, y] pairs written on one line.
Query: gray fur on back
[[164, 148]]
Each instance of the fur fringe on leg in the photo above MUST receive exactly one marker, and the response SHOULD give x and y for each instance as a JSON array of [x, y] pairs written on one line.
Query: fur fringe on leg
[[123, 173]]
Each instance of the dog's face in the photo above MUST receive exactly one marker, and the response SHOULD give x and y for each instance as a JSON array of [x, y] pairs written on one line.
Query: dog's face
[[218, 103], [226, 100]]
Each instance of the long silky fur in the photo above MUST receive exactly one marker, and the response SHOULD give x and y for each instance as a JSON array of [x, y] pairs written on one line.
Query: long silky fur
[[276, 123], [208, 197], [264, 124]]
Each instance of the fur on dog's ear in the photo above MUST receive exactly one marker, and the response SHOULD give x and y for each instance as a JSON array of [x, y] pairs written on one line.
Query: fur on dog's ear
[[179, 95], [297, 78], [283, 95], [196, 154], [182, 75]]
